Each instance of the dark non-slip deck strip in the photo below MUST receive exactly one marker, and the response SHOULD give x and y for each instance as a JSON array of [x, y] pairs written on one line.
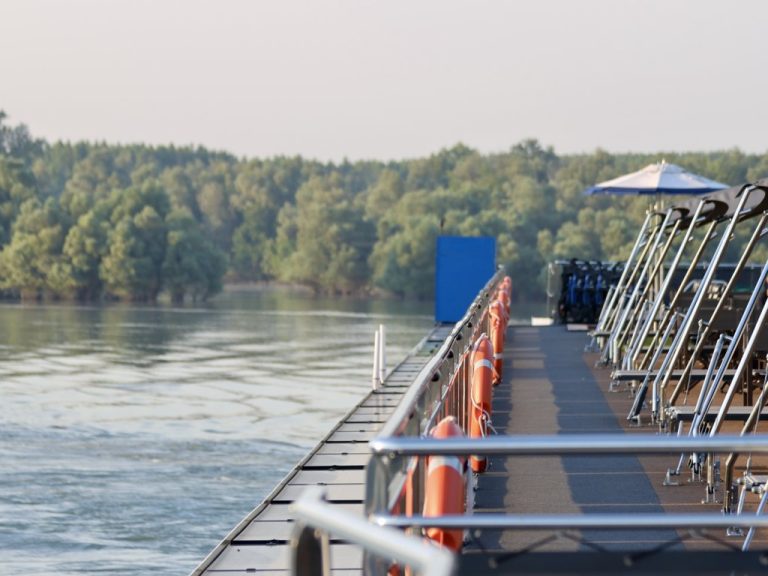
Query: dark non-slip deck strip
[[549, 389]]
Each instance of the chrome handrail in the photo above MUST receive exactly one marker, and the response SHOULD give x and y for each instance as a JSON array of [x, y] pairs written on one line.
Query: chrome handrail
[[634, 521], [390, 449], [408, 404], [439, 389], [557, 445], [432, 389]]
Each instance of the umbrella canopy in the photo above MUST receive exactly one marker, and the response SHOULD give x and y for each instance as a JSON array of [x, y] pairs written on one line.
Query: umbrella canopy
[[659, 178]]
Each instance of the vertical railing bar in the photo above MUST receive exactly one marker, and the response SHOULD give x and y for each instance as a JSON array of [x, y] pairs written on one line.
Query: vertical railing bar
[[659, 300], [708, 235], [647, 287]]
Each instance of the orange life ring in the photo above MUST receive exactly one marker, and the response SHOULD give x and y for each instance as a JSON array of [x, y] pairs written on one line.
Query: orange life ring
[[503, 296], [498, 324], [481, 396], [507, 283], [445, 487]]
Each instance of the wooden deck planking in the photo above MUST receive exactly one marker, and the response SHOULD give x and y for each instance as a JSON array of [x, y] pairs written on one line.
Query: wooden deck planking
[[338, 464]]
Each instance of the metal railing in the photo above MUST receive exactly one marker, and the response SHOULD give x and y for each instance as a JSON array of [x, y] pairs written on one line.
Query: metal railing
[[390, 449], [440, 389], [563, 445]]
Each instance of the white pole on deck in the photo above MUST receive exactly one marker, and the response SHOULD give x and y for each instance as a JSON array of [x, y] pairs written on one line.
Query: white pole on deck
[[375, 377], [382, 353]]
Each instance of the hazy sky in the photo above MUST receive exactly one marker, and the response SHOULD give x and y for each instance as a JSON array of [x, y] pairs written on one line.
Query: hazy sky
[[389, 79]]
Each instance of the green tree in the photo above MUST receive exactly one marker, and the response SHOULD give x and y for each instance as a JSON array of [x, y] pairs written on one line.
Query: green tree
[[193, 265], [250, 246], [31, 263], [278, 251], [404, 262], [84, 248], [333, 240], [132, 265], [16, 187], [17, 142]]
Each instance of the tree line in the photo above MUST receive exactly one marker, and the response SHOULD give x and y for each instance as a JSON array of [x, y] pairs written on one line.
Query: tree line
[[90, 220]]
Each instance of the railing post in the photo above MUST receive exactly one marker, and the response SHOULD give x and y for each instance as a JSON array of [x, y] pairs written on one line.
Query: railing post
[[310, 552], [382, 353], [376, 373]]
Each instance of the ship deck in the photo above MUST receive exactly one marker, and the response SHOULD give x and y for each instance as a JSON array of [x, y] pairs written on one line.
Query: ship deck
[[259, 544], [550, 386]]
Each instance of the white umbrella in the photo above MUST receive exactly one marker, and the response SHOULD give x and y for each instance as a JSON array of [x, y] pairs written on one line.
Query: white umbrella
[[658, 178]]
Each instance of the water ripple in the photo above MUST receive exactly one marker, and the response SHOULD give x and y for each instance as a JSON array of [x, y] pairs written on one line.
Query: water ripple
[[133, 438]]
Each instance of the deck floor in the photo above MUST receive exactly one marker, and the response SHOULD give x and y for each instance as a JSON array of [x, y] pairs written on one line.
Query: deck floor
[[550, 386]]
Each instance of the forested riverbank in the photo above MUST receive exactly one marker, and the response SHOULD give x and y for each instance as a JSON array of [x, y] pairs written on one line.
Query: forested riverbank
[[93, 220]]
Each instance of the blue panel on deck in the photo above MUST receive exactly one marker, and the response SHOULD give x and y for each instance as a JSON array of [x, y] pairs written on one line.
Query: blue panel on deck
[[463, 266]]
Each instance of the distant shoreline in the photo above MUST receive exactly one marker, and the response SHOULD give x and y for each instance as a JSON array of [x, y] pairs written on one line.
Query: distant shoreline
[[242, 285], [274, 286]]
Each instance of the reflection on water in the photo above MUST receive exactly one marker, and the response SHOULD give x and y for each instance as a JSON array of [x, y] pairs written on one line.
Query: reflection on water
[[133, 438]]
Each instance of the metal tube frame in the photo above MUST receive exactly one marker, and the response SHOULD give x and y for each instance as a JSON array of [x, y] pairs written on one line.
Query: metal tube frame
[[735, 339], [701, 340], [662, 378], [708, 388], [758, 512], [627, 302], [708, 235], [621, 291], [642, 390], [566, 444], [730, 462], [634, 521], [636, 337], [632, 320], [634, 350], [745, 359], [607, 311]]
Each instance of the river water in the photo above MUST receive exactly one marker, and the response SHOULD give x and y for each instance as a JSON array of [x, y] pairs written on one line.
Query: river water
[[133, 438]]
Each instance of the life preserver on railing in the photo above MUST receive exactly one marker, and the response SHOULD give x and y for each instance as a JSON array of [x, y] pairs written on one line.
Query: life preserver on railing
[[507, 283], [497, 327], [505, 294], [503, 298], [480, 396], [445, 491]]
